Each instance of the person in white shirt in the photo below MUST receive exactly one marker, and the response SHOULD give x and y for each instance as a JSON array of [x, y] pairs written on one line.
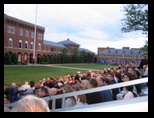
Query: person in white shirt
[[145, 71], [129, 92]]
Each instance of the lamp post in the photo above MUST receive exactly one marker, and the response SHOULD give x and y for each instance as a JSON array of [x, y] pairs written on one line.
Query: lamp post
[[34, 37]]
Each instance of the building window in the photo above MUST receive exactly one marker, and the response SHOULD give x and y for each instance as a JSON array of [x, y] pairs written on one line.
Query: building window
[[26, 33], [21, 32], [20, 44], [26, 45], [139, 52], [25, 57], [12, 30], [9, 29], [40, 36], [109, 51], [19, 58], [39, 46], [32, 34], [116, 51], [10, 43], [31, 45], [51, 49]]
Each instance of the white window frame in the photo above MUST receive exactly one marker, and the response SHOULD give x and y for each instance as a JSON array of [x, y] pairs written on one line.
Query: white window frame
[[39, 46], [31, 45], [40, 36], [32, 34], [10, 42], [21, 32], [26, 33], [12, 30], [20, 41], [9, 29], [26, 44]]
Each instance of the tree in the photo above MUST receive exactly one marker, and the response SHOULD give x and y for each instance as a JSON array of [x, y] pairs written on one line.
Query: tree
[[64, 51], [14, 58], [136, 19], [145, 47], [7, 58]]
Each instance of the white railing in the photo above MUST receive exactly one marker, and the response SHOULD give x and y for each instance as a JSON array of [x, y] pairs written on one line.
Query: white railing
[[63, 96], [138, 104]]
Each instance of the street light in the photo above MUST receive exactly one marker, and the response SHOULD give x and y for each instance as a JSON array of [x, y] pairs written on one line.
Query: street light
[[35, 36]]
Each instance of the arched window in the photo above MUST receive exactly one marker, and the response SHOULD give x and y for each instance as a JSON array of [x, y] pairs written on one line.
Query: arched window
[[20, 43], [25, 57], [10, 42], [19, 57], [39, 46], [26, 44], [31, 45]]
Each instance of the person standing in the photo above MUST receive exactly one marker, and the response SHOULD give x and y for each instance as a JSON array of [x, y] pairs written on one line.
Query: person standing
[[143, 61]]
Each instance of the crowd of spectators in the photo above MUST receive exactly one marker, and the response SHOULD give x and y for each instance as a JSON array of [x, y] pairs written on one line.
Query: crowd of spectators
[[52, 86]]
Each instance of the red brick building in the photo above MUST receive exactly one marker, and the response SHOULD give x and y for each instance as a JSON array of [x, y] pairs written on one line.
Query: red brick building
[[125, 54], [19, 39]]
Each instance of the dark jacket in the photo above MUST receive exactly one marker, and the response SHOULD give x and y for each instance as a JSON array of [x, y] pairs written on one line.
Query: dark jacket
[[143, 62], [93, 98], [114, 91], [106, 95]]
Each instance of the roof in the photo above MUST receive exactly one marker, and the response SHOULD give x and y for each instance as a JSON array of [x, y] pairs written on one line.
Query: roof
[[51, 43], [68, 42], [22, 21], [86, 50], [122, 51]]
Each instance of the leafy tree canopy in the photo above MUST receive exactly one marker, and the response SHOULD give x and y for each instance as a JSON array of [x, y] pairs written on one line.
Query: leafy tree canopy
[[136, 18]]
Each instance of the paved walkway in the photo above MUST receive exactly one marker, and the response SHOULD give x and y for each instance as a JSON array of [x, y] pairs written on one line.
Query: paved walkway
[[54, 65], [60, 66]]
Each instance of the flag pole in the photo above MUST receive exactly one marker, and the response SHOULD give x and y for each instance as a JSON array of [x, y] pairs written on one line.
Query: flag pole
[[34, 36]]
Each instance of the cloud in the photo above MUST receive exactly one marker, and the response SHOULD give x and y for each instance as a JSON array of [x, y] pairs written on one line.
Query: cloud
[[90, 25]]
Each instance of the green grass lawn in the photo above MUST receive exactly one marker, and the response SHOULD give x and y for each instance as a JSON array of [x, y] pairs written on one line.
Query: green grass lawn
[[87, 66], [27, 73]]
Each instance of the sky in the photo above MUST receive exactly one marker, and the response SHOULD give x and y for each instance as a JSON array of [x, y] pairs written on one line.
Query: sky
[[92, 26]]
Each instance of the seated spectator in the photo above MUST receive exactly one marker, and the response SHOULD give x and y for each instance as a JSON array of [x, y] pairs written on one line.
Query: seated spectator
[[106, 94], [58, 91], [115, 91], [5, 100], [80, 99], [31, 89], [126, 77], [8, 93], [14, 92], [145, 71], [130, 93], [70, 101], [83, 84], [25, 86], [94, 97], [43, 91], [31, 103]]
